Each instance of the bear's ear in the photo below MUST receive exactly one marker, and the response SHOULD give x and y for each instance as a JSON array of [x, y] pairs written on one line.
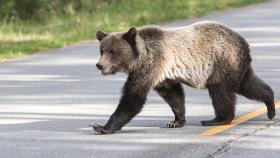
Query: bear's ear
[[130, 35], [100, 35]]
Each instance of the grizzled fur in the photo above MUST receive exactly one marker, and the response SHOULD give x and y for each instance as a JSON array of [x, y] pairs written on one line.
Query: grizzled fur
[[202, 55]]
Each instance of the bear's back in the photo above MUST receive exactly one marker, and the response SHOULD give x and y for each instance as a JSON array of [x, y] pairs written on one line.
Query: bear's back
[[203, 50]]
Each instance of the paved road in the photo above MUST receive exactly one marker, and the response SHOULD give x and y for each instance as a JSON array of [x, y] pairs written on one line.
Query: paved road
[[48, 99]]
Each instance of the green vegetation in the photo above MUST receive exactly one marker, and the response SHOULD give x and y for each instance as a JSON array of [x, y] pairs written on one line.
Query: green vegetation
[[27, 26]]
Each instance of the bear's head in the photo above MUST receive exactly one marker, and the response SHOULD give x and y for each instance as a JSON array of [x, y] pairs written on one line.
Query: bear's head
[[118, 51]]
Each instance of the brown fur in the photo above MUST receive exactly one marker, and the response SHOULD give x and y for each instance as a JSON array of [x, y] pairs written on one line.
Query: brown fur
[[202, 55]]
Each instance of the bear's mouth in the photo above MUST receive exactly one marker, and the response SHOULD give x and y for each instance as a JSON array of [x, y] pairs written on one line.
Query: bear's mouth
[[106, 72], [109, 71]]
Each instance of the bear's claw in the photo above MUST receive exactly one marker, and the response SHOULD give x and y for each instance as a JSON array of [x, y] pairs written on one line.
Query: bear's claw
[[97, 128], [100, 129], [175, 124]]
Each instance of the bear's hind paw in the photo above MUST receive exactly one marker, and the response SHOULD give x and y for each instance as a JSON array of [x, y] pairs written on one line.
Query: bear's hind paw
[[216, 122]]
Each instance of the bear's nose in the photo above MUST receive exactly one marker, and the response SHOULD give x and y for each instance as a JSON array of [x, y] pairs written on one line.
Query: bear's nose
[[99, 66]]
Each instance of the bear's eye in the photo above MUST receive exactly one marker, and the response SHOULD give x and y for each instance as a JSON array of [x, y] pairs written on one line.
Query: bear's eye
[[101, 52], [111, 52]]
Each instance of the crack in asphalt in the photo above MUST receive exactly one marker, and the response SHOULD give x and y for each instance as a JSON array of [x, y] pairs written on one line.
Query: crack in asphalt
[[227, 145]]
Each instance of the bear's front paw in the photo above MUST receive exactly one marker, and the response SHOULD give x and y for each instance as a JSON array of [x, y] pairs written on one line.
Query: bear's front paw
[[99, 129], [175, 124]]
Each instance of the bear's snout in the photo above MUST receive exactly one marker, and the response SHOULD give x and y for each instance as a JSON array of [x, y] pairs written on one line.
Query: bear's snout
[[99, 66]]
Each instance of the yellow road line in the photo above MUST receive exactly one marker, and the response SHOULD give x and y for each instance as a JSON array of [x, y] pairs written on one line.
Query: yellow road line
[[237, 121]]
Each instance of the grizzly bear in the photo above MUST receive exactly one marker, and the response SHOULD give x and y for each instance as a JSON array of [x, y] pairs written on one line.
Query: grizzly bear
[[204, 55]]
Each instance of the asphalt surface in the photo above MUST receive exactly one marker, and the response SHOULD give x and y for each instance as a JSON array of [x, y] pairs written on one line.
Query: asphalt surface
[[47, 101]]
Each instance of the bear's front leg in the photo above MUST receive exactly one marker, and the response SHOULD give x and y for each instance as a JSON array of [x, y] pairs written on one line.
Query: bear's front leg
[[172, 92], [131, 103]]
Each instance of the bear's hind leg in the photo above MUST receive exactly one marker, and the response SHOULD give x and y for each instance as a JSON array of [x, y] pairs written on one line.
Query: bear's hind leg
[[223, 101], [172, 92], [254, 88]]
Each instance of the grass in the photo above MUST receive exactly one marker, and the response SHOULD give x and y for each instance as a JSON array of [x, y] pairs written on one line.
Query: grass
[[21, 37]]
